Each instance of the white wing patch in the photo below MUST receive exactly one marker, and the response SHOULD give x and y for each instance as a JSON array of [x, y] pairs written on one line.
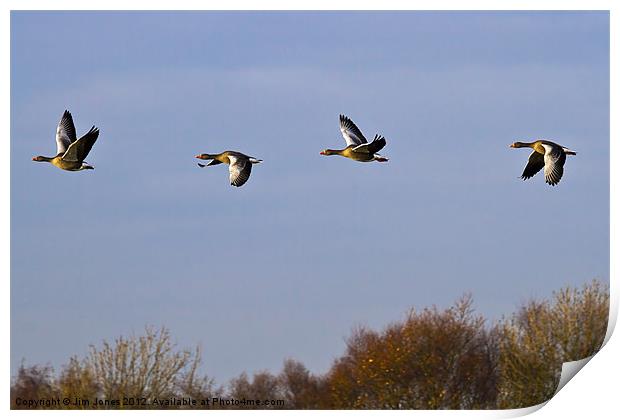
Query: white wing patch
[[352, 135], [239, 170], [554, 164], [548, 148], [350, 138], [233, 159], [65, 133]]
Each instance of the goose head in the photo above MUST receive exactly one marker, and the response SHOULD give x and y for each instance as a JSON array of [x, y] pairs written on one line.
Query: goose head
[[518, 144], [328, 152], [41, 159], [205, 156]]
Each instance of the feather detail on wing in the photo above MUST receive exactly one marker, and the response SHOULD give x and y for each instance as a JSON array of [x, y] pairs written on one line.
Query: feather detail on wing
[[65, 133], [554, 164], [239, 170], [535, 163], [352, 135], [377, 144], [79, 149]]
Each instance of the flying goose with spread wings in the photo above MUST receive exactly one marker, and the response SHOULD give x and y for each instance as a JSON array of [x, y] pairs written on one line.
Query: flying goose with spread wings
[[239, 165], [70, 151], [358, 147], [548, 155]]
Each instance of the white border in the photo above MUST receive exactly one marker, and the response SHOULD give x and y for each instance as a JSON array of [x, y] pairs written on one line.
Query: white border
[[594, 393]]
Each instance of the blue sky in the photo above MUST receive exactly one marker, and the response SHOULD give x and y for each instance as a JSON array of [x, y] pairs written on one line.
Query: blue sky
[[311, 246]]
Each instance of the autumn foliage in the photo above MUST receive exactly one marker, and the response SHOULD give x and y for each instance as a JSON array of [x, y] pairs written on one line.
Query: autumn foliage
[[542, 335], [432, 359]]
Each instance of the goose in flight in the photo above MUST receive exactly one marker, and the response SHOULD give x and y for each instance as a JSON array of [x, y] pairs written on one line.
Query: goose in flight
[[548, 155], [358, 147], [70, 151], [239, 165]]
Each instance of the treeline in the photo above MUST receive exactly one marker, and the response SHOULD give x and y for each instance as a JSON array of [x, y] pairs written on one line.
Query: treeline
[[432, 359]]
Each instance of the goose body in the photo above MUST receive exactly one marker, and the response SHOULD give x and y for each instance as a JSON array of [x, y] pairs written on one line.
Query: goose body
[[358, 147], [239, 165], [548, 155], [70, 151]]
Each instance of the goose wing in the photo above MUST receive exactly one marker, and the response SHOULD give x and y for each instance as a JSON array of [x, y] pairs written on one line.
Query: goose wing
[[79, 149], [535, 163], [352, 135], [65, 133], [239, 170], [213, 162], [554, 163], [373, 147]]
